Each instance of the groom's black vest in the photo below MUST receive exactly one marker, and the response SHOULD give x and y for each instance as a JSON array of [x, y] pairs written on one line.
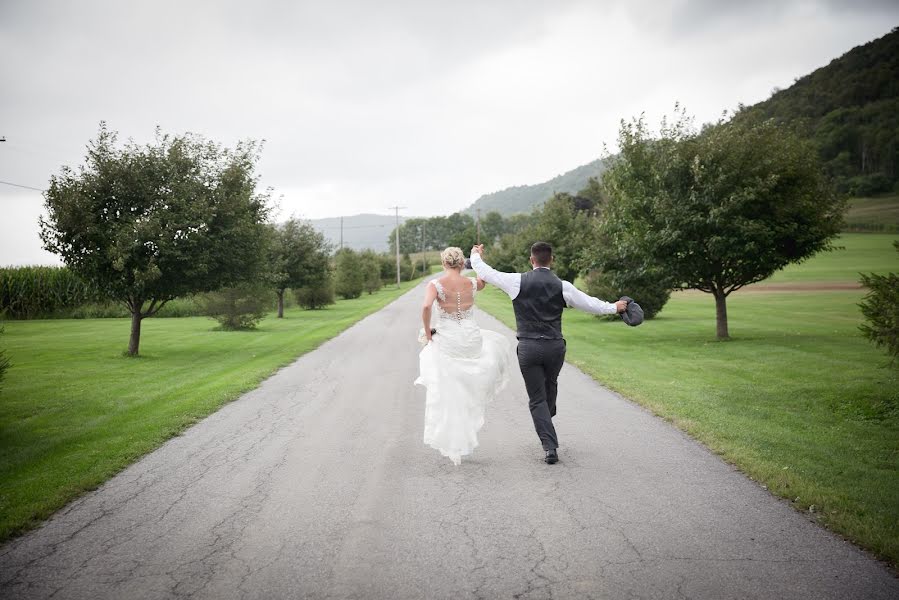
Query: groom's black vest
[[538, 306]]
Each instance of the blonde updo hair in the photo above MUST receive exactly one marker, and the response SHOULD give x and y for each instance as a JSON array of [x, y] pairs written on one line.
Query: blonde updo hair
[[453, 257]]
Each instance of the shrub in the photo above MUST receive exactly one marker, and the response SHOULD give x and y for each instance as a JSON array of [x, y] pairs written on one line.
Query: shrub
[[317, 295], [648, 291], [349, 275], [189, 306], [880, 307], [371, 269], [408, 269], [388, 267], [240, 307], [95, 310]]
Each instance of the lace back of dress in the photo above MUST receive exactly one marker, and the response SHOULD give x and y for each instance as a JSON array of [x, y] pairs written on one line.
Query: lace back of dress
[[456, 303]]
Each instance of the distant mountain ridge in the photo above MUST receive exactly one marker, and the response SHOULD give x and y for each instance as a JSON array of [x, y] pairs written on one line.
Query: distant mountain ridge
[[524, 198], [360, 232], [849, 109]]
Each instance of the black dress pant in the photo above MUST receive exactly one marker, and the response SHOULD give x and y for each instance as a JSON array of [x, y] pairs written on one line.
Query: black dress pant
[[540, 361]]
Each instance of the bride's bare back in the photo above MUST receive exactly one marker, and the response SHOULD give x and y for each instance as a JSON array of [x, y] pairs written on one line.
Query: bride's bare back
[[455, 293]]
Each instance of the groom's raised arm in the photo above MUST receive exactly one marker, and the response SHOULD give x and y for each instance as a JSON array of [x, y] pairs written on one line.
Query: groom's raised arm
[[507, 282]]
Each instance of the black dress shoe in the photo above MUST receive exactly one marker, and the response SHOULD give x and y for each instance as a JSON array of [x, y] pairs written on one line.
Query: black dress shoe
[[551, 457]]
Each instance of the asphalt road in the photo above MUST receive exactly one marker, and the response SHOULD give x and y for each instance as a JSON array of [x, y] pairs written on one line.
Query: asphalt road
[[317, 485]]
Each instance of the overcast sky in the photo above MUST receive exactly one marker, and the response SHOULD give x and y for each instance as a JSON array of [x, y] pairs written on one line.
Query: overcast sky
[[365, 105]]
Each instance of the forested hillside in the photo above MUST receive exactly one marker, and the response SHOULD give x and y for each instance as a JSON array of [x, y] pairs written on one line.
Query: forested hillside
[[522, 199], [850, 110]]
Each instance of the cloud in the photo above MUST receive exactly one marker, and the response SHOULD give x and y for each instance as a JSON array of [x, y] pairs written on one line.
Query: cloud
[[366, 105]]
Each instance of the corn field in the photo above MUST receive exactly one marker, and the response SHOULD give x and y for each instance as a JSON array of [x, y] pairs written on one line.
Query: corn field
[[39, 292]]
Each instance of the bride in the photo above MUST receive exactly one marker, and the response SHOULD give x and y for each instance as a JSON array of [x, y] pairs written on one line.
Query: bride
[[462, 366]]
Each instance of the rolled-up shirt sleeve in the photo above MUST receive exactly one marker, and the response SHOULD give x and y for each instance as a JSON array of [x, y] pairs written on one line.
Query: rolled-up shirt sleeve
[[507, 282], [575, 298]]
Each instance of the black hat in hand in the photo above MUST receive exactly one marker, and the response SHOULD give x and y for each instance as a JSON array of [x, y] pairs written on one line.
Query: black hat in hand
[[633, 314]]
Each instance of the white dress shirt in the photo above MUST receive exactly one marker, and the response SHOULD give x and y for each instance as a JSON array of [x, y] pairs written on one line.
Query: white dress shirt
[[511, 284]]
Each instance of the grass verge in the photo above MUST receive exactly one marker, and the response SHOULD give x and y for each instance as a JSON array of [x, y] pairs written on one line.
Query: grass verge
[[74, 411], [797, 400]]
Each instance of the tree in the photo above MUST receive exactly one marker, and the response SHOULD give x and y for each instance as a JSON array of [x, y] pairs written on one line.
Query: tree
[[880, 307], [349, 276], [371, 268], [437, 232], [298, 257], [567, 223], [147, 224], [719, 209]]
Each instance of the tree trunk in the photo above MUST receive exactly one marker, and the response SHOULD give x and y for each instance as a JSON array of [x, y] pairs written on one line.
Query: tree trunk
[[721, 314], [280, 304], [134, 342]]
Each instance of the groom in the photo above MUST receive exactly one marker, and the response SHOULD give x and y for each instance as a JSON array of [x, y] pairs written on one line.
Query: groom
[[538, 298]]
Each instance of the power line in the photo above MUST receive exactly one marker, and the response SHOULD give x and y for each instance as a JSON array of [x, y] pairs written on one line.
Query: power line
[[19, 185]]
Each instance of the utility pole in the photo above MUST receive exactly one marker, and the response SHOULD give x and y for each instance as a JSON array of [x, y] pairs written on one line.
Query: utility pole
[[479, 226], [423, 263], [341, 233], [397, 230]]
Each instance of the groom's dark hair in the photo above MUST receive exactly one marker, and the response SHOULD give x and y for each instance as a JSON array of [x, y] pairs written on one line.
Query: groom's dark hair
[[542, 253]]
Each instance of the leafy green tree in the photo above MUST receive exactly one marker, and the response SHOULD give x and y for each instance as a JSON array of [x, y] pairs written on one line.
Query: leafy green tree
[[720, 209], [387, 264], [880, 307], [411, 235], [371, 267], [147, 224], [437, 233], [566, 222], [569, 229], [492, 227], [298, 257], [349, 274]]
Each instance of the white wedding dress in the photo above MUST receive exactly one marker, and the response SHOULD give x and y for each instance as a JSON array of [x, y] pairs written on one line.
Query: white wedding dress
[[463, 368]]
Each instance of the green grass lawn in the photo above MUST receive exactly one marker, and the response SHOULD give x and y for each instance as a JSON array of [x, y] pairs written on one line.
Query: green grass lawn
[[74, 411], [868, 252], [798, 400]]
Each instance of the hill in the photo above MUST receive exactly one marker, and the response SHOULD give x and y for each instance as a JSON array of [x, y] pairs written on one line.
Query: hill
[[524, 198], [359, 231], [850, 110]]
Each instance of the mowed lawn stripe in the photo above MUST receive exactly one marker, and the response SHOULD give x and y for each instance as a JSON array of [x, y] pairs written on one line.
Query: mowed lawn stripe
[[798, 400], [74, 411]]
